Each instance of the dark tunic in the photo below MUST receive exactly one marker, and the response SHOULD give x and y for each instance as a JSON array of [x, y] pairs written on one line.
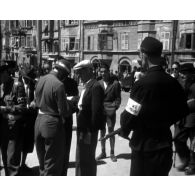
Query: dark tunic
[[89, 121], [160, 102]]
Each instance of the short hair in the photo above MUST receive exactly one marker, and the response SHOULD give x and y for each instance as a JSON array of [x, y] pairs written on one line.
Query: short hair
[[104, 65]]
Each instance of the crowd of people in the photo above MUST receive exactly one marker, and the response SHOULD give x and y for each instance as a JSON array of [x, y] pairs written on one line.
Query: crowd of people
[[39, 111]]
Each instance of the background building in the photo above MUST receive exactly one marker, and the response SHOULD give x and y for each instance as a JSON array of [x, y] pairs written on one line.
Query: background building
[[31, 42]]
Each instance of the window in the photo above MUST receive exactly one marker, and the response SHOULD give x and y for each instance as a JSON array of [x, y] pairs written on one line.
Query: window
[[64, 44], [29, 23], [164, 38], [55, 25], [22, 41], [17, 23], [56, 46], [28, 41], [45, 28], [11, 24], [22, 23], [34, 22], [124, 41], [187, 41], [12, 42], [105, 41], [34, 41], [71, 22], [141, 37], [77, 44], [62, 23], [72, 43], [90, 43]]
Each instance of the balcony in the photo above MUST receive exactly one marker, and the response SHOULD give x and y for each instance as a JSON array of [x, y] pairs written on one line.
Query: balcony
[[18, 32]]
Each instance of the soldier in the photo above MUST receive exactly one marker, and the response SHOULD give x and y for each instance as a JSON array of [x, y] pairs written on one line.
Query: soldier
[[89, 120], [156, 102], [49, 126]]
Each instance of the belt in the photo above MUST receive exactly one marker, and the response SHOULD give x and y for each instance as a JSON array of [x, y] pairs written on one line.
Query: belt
[[43, 113]]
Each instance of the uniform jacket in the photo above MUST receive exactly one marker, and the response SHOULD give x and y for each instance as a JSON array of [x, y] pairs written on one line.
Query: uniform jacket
[[90, 118], [112, 93], [50, 96], [159, 102]]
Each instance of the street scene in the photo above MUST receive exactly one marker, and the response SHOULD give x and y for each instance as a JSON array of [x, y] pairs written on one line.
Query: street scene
[[105, 167], [97, 98]]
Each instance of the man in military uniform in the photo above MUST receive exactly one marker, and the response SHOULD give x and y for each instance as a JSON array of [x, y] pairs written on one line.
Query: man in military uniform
[[156, 102], [49, 126], [89, 120]]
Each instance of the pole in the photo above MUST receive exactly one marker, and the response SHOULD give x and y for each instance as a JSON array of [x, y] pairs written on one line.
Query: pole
[[39, 46], [174, 37], [59, 38]]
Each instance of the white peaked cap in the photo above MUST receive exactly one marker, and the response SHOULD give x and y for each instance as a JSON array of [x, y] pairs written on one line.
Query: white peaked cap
[[82, 64]]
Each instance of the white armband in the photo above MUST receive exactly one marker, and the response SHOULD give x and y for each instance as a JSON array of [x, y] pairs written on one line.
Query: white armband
[[133, 107]]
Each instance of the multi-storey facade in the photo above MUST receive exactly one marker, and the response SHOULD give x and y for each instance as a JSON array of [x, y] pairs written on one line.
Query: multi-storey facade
[[114, 41], [70, 39], [19, 42], [50, 39]]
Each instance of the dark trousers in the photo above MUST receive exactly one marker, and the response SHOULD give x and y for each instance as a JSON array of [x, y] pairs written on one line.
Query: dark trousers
[[68, 139], [156, 163], [28, 145], [186, 153], [85, 156], [49, 139], [4, 139], [14, 151]]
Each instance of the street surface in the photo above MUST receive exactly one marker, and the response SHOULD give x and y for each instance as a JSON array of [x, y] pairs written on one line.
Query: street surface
[[105, 167]]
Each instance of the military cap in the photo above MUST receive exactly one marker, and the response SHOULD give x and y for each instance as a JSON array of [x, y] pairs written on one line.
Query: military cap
[[151, 46], [187, 68], [83, 64], [63, 64]]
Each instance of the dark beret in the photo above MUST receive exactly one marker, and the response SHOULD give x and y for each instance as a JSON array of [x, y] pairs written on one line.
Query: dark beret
[[151, 46], [187, 68]]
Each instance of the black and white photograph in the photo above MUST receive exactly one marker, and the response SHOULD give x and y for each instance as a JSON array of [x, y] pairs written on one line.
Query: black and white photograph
[[98, 95]]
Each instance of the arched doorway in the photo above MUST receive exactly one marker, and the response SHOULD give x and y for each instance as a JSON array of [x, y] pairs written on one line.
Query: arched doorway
[[124, 67], [96, 66]]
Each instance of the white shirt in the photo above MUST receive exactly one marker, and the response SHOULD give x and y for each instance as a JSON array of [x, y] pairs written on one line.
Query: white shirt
[[81, 96], [105, 85]]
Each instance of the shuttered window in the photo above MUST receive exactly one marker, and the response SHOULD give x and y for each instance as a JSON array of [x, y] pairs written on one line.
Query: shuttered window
[[124, 41]]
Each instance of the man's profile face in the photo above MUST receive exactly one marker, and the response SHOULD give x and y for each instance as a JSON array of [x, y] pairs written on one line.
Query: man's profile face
[[144, 61], [104, 73], [175, 70], [83, 74]]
